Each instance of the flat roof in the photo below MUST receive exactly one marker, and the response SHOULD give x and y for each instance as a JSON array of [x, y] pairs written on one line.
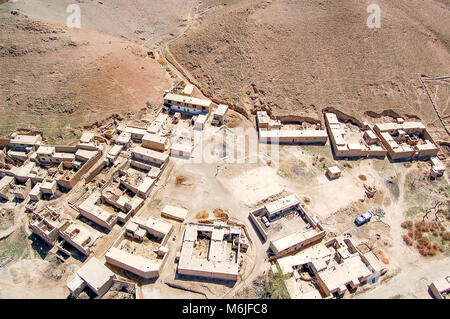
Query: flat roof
[[158, 225], [146, 184], [350, 270], [216, 263], [85, 153], [221, 110], [309, 254], [124, 137], [154, 138], [135, 261], [201, 119], [331, 118], [281, 204], [134, 130], [89, 205], [292, 239], [187, 99], [45, 150], [115, 150], [334, 170], [161, 118], [95, 274], [388, 126], [263, 117], [150, 153], [292, 133], [412, 125], [188, 89], [174, 211], [86, 137], [436, 162], [6, 180], [182, 147], [48, 184], [26, 139], [371, 134]]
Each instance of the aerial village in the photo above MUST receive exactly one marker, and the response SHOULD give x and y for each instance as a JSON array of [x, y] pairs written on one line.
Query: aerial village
[[130, 209]]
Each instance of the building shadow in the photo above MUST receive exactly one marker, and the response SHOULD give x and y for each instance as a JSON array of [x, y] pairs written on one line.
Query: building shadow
[[93, 225], [40, 246], [227, 283]]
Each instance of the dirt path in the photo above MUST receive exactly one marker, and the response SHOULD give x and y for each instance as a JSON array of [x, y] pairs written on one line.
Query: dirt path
[[411, 283]]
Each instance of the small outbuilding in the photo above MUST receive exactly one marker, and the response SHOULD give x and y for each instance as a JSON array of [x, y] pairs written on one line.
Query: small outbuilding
[[334, 172], [200, 122]]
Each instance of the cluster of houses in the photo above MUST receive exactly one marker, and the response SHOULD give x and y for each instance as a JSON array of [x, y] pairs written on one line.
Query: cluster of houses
[[119, 170]]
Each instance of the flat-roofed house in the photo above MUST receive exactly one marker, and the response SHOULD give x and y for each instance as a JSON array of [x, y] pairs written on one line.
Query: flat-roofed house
[[262, 119], [188, 90], [158, 124], [136, 133], [174, 212], [350, 273], [139, 265], [406, 140], [93, 274], [219, 114], [155, 227], [35, 193], [186, 104], [87, 137], [278, 208], [200, 122], [295, 242], [334, 172], [154, 142], [25, 142], [95, 213], [217, 264], [181, 150], [114, 153], [46, 225], [5, 187], [124, 138], [145, 155], [78, 236], [293, 136], [45, 154]]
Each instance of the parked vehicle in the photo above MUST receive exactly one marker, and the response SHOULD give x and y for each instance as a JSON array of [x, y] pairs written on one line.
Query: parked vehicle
[[266, 221], [363, 218]]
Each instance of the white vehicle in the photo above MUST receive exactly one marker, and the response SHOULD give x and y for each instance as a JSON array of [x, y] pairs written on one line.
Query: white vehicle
[[266, 221]]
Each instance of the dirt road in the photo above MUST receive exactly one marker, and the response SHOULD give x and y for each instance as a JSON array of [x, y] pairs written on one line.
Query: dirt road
[[411, 283]]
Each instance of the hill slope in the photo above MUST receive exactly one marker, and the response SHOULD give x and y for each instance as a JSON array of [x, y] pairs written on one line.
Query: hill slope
[[299, 57]]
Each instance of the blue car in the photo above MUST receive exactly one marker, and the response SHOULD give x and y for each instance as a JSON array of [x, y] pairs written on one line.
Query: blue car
[[363, 218]]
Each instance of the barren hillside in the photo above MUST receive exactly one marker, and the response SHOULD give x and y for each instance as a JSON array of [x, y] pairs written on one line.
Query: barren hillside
[[299, 57], [57, 79], [142, 21]]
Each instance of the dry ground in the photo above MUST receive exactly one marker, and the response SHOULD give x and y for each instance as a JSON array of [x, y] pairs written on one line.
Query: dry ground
[[58, 80], [299, 58], [286, 56]]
